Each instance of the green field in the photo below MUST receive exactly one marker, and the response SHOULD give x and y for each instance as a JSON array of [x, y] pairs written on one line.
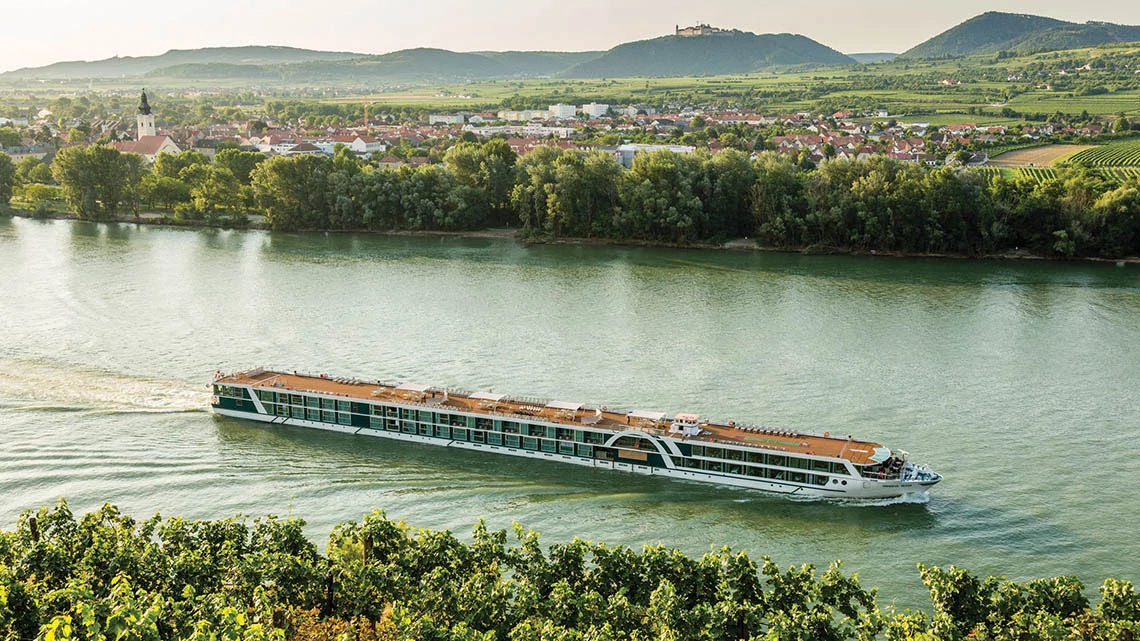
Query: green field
[[1118, 154]]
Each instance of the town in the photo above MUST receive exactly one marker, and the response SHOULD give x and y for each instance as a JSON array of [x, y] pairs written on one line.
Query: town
[[623, 131]]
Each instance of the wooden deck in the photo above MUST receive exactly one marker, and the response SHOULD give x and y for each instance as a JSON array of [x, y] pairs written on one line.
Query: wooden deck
[[857, 451]]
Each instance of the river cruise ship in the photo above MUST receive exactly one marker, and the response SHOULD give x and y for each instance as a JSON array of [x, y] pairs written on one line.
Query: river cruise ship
[[682, 446]]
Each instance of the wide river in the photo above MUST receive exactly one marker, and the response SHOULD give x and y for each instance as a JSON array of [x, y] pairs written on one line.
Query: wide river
[[1018, 381]]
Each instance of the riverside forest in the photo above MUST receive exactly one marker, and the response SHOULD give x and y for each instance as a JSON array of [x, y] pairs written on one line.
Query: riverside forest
[[106, 575], [841, 205]]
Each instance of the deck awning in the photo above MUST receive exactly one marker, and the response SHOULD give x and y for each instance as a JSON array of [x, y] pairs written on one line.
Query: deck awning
[[564, 405], [687, 418], [488, 396], [413, 387], [653, 416], [881, 454]]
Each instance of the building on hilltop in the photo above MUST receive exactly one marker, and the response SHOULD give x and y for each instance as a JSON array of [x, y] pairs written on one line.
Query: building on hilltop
[[699, 30], [145, 119]]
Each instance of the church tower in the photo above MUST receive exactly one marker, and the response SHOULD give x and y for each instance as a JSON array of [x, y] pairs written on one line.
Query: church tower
[[145, 119]]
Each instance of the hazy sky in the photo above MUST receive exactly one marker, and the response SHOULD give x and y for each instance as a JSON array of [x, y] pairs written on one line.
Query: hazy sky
[[39, 32]]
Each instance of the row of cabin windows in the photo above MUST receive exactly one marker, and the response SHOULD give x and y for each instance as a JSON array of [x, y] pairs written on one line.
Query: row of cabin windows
[[758, 472], [775, 460], [297, 405], [457, 433]]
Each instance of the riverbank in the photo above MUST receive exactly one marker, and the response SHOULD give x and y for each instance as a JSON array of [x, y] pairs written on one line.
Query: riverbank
[[257, 222]]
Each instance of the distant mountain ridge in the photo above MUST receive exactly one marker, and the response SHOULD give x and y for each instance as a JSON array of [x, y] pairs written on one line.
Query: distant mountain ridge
[[140, 65], [725, 52], [995, 31]]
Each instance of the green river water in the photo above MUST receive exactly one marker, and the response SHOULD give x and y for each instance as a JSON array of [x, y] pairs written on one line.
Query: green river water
[[1018, 381]]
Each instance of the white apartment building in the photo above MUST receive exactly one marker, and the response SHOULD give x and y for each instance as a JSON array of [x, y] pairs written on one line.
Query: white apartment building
[[562, 112]]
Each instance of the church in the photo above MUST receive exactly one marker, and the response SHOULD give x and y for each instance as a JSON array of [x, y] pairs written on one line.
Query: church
[[147, 143]]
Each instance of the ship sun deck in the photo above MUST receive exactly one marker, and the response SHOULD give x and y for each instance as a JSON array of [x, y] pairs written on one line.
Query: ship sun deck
[[563, 413]]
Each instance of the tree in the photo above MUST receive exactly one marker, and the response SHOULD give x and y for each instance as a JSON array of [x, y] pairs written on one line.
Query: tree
[[9, 137], [240, 163], [171, 165], [293, 192], [97, 181], [658, 201], [162, 191], [7, 178], [217, 191], [489, 167], [38, 194]]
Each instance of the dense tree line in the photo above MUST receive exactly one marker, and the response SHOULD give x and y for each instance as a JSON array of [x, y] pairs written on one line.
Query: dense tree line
[[108, 576], [783, 202]]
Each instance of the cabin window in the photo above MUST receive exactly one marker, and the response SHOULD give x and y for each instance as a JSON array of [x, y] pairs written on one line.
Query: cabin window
[[698, 450], [734, 455], [270, 408], [443, 431], [407, 427], [407, 414], [312, 401], [510, 428], [595, 438], [585, 450], [753, 471], [549, 446], [566, 448], [425, 429], [494, 438], [734, 469], [391, 411], [692, 463], [479, 436], [818, 480], [530, 443], [535, 430], [283, 410], [820, 466], [328, 403], [312, 414], [755, 457], [839, 468], [714, 452], [392, 425], [376, 423], [459, 433], [297, 399], [298, 412], [777, 460], [512, 440], [426, 417], [799, 477], [266, 396], [328, 416], [712, 466], [344, 418]]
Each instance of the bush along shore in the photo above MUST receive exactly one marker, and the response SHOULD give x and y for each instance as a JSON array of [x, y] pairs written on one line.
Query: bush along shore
[[108, 576], [665, 198]]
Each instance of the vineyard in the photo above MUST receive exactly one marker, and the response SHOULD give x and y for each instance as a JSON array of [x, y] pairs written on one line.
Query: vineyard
[[1117, 154], [1114, 175]]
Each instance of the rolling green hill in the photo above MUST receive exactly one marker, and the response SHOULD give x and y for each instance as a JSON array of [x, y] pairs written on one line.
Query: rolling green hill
[[994, 31], [137, 66], [721, 53]]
